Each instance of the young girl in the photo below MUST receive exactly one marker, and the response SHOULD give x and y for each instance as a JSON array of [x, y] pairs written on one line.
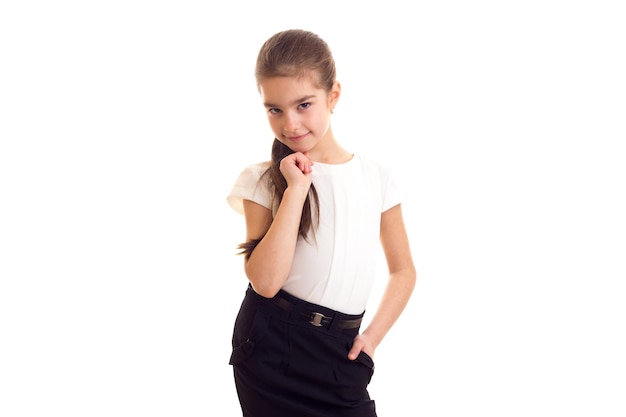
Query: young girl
[[315, 215]]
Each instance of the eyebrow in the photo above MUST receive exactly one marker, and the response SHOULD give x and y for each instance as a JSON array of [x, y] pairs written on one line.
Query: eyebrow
[[298, 101]]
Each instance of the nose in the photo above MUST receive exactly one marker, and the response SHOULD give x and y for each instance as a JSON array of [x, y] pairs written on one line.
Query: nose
[[291, 122]]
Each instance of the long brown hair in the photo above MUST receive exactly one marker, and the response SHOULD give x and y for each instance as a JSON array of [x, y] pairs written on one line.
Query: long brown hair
[[293, 53]]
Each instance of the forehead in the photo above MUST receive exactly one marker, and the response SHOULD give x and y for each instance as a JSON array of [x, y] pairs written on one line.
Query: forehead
[[285, 90]]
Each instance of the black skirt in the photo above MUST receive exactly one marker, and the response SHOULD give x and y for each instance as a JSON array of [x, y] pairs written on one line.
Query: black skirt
[[290, 359]]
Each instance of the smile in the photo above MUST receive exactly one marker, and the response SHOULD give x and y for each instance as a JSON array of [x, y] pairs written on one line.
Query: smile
[[296, 138]]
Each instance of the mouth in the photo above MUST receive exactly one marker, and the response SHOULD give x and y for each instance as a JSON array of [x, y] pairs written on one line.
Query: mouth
[[296, 138]]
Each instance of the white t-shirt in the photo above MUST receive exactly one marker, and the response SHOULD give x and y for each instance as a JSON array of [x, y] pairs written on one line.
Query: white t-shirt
[[336, 267]]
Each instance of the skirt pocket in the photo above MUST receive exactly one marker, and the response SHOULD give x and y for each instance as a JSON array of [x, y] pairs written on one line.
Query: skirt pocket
[[353, 377], [251, 336]]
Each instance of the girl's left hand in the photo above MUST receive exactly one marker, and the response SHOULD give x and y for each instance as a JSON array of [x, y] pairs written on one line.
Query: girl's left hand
[[361, 344]]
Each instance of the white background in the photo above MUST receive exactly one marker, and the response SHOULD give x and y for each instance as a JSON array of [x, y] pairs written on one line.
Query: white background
[[123, 125]]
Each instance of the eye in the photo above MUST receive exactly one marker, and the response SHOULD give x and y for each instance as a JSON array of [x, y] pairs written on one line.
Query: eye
[[273, 110], [304, 106]]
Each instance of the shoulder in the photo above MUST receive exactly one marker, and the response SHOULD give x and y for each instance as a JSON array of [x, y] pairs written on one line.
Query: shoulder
[[380, 174], [249, 186], [251, 174], [375, 166], [255, 170]]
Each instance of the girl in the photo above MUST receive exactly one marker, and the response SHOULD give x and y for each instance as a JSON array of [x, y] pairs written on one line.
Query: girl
[[315, 215]]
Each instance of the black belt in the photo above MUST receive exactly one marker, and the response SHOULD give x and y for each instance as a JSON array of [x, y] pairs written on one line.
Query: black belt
[[317, 319]]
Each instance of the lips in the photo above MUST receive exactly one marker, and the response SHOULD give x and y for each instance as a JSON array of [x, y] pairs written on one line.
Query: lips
[[296, 138]]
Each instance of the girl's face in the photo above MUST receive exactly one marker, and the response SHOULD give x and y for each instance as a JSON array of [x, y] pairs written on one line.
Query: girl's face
[[299, 112]]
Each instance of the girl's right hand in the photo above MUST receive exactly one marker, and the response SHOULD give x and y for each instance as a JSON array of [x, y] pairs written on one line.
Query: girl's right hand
[[296, 168]]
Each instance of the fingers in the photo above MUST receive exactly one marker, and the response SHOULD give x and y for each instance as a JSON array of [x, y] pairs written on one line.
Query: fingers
[[299, 160], [359, 344], [297, 168], [303, 162], [354, 352], [357, 347]]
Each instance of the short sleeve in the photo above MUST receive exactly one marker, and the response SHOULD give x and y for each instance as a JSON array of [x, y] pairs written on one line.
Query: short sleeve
[[392, 195], [249, 186]]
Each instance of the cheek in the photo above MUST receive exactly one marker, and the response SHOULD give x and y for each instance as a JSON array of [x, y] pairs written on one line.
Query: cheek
[[275, 125], [323, 120]]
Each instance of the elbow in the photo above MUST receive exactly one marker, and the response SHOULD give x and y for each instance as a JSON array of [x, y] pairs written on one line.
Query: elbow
[[266, 291], [407, 278], [265, 285], [412, 278]]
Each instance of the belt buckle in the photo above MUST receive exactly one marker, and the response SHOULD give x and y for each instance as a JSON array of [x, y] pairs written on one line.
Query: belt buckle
[[316, 319]]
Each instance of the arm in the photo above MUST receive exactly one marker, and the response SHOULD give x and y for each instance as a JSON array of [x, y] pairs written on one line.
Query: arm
[[269, 263], [402, 278]]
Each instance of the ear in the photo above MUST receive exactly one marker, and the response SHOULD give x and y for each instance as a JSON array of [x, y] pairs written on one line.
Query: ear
[[334, 94]]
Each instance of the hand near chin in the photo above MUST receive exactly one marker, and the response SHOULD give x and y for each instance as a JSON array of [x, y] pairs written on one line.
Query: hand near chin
[[296, 168]]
